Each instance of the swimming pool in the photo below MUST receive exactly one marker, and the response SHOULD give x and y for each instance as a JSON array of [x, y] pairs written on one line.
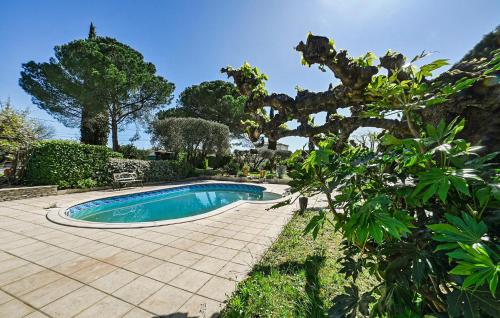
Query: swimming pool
[[167, 204]]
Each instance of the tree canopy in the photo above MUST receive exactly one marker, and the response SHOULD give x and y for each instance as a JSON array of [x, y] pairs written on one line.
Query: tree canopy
[[361, 83], [217, 101], [17, 130], [97, 75], [195, 137]]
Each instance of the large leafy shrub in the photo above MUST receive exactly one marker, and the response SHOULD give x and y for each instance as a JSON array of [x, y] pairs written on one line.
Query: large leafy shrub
[[132, 152], [195, 137], [151, 170], [420, 214], [17, 131], [68, 164]]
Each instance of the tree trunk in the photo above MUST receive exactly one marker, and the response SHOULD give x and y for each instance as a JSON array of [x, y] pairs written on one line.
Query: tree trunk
[[271, 144], [311, 144], [94, 129], [114, 134]]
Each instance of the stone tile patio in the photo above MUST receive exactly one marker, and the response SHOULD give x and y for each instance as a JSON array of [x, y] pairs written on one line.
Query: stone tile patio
[[180, 270]]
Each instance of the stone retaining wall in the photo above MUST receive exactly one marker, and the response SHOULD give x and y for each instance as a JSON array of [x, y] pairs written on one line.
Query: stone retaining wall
[[9, 194]]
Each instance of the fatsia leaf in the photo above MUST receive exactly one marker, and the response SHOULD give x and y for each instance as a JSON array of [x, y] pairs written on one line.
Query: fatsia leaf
[[475, 263], [316, 224], [472, 303], [464, 230], [350, 303]]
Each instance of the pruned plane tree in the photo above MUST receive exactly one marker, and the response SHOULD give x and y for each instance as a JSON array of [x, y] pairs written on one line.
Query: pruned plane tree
[[394, 95]]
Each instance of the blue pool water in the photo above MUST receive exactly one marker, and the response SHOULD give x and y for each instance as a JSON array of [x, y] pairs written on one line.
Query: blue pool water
[[167, 204]]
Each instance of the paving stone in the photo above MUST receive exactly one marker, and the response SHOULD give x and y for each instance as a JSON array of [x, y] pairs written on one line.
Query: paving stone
[[114, 280], [202, 248], [11, 263], [4, 297], [217, 288], [122, 258], [143, 264], [51, 292], [74, 265], [138, 290], [186, 258], [57, 259], [166, 272], [190, 280], [93, 272], [198, 306], [32, 282], [36, 314], [14, 308], [209, 265], [234, 271], [245, 258], [224, 253], [19, 273], [138, 313], [73, 303], [166, 301], [182, 243], [165, 252], [145, 247], [234, 244], [109, 307]]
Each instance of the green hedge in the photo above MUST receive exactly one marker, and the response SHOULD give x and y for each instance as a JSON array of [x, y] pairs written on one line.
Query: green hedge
[[69, 164], [152, 170]]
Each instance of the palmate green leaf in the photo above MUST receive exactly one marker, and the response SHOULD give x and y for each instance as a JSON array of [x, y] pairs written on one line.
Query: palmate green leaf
[[464, 230], [317, 158], [472, 303], [373, 220], [436, 100], [316, 224], [434, 65], [437, 180], [475, 263], [483, 195], [350, 303]]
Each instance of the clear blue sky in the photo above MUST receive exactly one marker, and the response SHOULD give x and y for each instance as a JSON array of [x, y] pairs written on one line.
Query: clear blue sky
[[189, 41]]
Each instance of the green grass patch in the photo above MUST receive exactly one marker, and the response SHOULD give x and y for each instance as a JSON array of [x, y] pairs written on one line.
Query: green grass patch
[[297, 277]]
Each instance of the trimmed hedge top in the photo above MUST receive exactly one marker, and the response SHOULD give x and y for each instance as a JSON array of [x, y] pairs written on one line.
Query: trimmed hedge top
[[69, 164]]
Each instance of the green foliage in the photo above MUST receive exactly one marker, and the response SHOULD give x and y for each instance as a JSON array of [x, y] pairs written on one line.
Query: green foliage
[[96, 75], [407, 91], [68, 164], [217, 101], [231, 168], [132, 152], [218, 161], [193, 136], [17, 130], [152, 170], [418, 213], [366, 60]]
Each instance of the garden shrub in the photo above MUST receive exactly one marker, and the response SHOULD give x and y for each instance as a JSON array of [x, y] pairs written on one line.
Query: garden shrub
[[218, 161], [68, 164], [132, 152], [151, 170]]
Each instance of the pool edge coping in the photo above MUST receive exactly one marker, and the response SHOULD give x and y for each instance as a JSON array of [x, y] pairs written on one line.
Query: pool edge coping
[[58, 216]]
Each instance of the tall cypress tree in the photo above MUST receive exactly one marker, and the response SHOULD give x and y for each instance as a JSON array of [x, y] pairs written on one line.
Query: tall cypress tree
[[94, 128]]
